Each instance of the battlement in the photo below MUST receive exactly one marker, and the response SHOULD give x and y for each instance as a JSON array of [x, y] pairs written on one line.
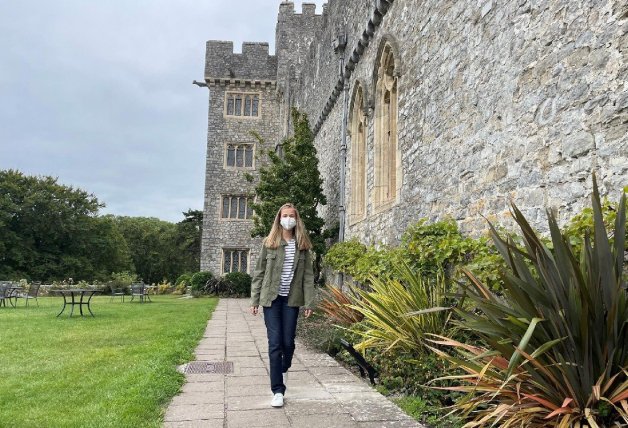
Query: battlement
[[286, 10], [254, 63]]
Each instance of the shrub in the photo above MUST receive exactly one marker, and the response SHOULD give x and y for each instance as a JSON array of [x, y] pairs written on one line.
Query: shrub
[[239, 283], [120, 281], [184, 279], [556, 347], [344, 256], [216, 287], [427, 248], [198, 281], [164, 288], [336, 305], [399, 312], [360, 261], [180, 289]]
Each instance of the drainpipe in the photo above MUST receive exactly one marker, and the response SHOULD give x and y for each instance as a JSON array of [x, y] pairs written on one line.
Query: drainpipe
[[343, 159], [339, 47]]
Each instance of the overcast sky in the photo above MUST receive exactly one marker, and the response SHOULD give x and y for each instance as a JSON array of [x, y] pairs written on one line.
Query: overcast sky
[[100, 94]]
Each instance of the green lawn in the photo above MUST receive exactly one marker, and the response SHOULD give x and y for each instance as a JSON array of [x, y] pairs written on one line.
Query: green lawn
[[115, 370]]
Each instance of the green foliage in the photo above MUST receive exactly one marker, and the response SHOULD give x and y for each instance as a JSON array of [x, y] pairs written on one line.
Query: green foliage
[[187, 242], [292, 176], [199, 279], [344, 257], [398, 313], [583, 223], [424, 411], [427, 248], [432, 247], [120, 281], [155, 247], [184, 279], [556, 345], [239, 283], [49, 231], [399, 372]]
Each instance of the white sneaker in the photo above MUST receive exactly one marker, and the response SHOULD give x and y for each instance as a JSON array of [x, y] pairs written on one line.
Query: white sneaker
[[285, 379], [277, 400]]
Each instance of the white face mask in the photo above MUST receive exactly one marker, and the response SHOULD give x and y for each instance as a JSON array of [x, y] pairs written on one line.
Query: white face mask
[[288, 223]]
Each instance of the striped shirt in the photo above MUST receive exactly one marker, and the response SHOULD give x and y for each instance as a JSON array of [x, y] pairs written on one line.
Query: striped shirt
[[286, 271]]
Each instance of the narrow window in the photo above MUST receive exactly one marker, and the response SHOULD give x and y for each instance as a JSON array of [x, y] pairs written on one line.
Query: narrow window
[[247, 105], [248, 158], [225, 207], [231, 155], [234, 208], [243, 261], [227, 261], [387, 175], [254, 111], [238, 105], [357, 204], [240, 156], [242, 208], [230, 105]]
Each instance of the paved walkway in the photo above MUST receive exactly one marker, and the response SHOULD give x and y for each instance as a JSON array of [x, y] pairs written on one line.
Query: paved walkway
[[320, 393]]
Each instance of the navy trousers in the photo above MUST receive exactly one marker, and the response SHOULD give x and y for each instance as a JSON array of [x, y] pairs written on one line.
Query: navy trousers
[[281, 326]]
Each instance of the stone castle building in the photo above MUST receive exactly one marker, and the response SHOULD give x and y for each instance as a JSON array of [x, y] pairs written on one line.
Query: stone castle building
[[450, 109]]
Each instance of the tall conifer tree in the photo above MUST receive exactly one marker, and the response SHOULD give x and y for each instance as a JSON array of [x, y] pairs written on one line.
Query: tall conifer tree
[[292, 176]]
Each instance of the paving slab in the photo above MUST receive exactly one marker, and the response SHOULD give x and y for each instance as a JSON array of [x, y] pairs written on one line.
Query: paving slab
[[320, 392]]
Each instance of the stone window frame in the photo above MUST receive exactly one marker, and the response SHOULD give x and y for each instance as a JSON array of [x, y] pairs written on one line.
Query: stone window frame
[[244, 94], [359, 156], [248, 210], [231, 251], [235, 167], [387, 171]]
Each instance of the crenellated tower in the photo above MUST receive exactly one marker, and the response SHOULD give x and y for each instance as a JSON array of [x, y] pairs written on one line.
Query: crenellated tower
[[242, 100], [293, 38]]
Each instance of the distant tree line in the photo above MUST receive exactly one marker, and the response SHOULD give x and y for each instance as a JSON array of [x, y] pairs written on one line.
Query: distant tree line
[[52, 232]]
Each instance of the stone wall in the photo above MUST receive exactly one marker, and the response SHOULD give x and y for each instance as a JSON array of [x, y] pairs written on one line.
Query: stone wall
[[220, 233], [498, 101], [294, 35]]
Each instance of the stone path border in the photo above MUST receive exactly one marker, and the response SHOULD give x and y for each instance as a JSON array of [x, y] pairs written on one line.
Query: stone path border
[[321, 393]]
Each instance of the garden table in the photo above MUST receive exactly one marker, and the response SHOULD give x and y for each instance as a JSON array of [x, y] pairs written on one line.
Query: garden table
[[77, 296]]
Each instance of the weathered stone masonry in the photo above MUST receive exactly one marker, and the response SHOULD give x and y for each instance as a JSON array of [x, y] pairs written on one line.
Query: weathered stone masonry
[[252, 71], [497, 101]]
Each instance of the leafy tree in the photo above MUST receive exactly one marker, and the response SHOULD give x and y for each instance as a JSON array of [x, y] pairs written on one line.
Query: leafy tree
[[150, 243], [49, 231], [188, 240], [292, 176]]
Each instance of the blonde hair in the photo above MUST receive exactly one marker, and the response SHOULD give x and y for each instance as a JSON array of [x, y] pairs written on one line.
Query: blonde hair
[[301, 236]]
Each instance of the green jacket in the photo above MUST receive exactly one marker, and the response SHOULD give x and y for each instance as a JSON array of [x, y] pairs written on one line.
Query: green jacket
[[267, 277]]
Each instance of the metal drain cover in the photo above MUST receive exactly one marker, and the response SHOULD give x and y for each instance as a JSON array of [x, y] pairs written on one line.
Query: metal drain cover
[[200, 367]]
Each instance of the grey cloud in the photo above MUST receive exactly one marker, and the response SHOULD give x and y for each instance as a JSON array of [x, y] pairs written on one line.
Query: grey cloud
[[99, 94]]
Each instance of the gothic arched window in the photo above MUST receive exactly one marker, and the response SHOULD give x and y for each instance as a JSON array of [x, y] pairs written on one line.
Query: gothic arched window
[[387, 174], [358, 158]]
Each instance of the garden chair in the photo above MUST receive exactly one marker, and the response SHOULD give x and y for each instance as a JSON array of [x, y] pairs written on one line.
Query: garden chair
[[32, 293], [117, 292], [5, 288], [140, 290]]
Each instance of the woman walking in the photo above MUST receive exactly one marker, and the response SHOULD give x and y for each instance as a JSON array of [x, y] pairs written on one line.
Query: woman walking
[[282, 282]]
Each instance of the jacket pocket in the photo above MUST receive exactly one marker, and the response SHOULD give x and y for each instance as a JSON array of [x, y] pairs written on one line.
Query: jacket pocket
[[270, 264]]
